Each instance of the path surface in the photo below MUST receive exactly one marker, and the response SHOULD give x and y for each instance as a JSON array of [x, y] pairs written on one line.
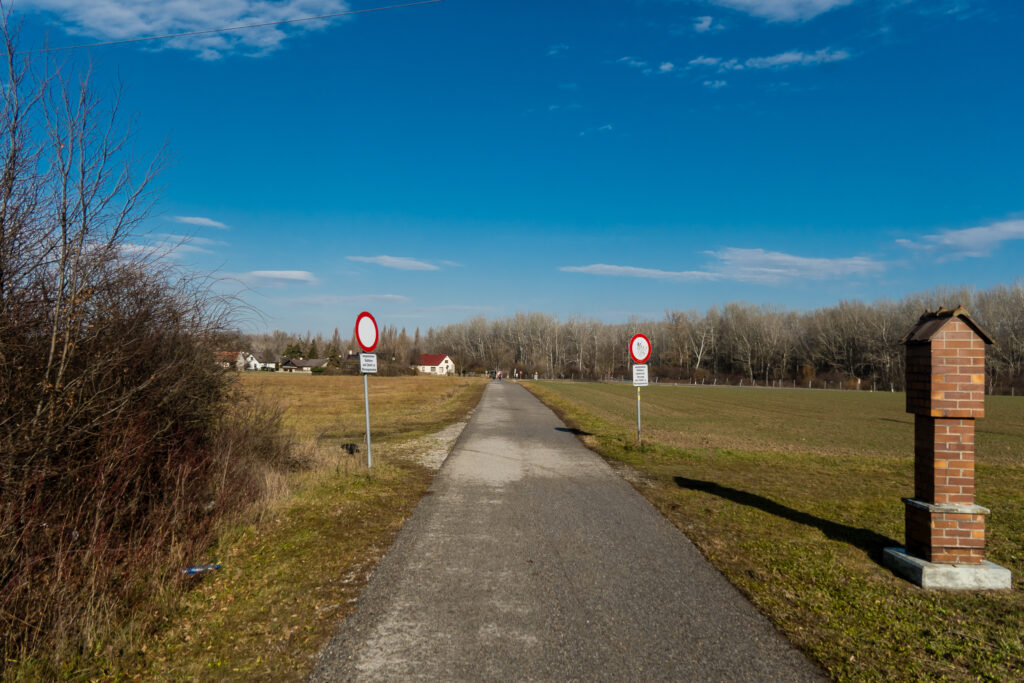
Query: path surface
[[532, 559]]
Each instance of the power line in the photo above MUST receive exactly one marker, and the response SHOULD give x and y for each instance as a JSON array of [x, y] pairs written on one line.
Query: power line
[[230, 28]]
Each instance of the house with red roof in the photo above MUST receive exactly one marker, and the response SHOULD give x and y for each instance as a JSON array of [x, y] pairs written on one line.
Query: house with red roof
[[435, 364]]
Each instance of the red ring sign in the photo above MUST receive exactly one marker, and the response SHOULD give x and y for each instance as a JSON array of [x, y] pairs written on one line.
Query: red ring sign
[[366, 332], [639, 349]]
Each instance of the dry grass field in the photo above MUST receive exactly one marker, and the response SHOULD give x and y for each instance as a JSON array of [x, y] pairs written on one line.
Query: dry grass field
[[793, 494], [295, 568]]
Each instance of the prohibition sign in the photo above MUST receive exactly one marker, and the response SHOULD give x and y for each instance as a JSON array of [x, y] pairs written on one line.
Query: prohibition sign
[[366, 332], [639, 349]]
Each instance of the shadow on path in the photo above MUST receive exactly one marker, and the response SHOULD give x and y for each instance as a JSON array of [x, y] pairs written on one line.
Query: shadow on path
[[870, 542], [573, 430]]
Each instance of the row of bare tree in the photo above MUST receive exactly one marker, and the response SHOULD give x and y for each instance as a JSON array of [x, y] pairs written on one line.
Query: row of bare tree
[[757, 344]]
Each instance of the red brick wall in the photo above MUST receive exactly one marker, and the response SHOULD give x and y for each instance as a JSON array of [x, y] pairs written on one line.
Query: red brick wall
[[944, 460], [946, 378], [945, 536]]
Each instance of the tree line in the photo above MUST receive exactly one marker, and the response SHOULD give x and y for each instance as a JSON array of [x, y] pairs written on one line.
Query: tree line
[[852, 343]]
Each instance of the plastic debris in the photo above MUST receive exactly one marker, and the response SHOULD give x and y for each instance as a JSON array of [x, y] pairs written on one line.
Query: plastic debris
[[200, 569]]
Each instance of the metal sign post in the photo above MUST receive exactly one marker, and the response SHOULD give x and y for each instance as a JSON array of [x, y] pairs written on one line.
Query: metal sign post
[[366, 337], [639, 351], [639, 424]]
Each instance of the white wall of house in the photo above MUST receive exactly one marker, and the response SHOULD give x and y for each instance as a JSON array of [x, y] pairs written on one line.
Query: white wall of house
[[447, 367]]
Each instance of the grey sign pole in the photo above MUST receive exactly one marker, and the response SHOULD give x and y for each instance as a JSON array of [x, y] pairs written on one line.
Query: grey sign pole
[[366, 401], [639, 428]]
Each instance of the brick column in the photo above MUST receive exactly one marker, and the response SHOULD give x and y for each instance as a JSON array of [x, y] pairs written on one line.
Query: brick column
[[946, 393]]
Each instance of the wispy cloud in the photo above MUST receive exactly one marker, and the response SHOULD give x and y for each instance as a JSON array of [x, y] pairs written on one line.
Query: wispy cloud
[[606, 128], [200, 221], [705, 24], [705, 61], [773, 267], [783, 10], [557, 49], [398, 262], [335, 299], [666, 67], [126, 19], [975, 242], [277, 278], [747, 265], [194, 240], [782, 60], [715, 85], [795, 58], [633, 62], [633, 271]]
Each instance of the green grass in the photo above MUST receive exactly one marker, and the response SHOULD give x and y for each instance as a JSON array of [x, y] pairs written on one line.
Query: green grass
[[793, 495]]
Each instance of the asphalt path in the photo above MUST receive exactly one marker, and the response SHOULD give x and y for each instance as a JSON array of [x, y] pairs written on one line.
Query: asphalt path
[[532, 559]]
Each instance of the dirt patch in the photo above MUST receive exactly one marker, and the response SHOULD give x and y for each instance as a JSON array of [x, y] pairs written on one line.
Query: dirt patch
[[432, 450]]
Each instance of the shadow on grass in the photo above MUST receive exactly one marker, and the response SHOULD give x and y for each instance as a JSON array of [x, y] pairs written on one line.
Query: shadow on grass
[[573, 430], [870, 542]]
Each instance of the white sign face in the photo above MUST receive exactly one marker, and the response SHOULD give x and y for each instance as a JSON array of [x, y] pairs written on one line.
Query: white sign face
[[640, 349], [639, 375], [366, 332], [368, 362]]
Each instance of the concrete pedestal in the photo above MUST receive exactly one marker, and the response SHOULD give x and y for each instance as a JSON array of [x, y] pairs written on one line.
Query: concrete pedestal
[[971, 577]]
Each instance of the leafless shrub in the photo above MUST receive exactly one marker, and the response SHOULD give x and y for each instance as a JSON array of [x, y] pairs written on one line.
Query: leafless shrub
[[121, 442]]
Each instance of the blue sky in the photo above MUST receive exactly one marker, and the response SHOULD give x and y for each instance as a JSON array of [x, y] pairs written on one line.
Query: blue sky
[[603, 158]]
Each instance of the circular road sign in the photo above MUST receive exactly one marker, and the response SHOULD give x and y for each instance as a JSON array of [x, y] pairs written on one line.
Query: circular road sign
[[366, 332], [639, 349]]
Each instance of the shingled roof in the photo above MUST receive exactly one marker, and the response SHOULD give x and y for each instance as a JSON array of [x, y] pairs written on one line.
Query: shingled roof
[[932, 321], [432, 358]]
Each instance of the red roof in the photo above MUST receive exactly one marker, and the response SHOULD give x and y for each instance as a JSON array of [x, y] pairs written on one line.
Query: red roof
[[432, 358], [227, 356]]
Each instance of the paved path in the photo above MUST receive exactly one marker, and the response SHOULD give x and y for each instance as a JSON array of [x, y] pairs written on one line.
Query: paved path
[[532, 559]]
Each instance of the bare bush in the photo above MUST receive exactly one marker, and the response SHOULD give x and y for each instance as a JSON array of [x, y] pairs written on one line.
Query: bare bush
[[121, 442]]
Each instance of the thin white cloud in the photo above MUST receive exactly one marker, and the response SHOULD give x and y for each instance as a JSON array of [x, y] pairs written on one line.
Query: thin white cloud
[[783, 10], [782, 60], [748, 265], [194, 240], [633, 62], [600, 129], [277, 278], [398, 262], [796, 58], [715, 85], [632, 271], [201, 221], [127, 19], [702, 24], [772, 267], [975, 242], [557, 49], [335, 299], [666, 67]]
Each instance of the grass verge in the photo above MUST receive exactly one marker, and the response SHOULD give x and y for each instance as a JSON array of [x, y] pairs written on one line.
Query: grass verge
[[296, 566], [794, 494]]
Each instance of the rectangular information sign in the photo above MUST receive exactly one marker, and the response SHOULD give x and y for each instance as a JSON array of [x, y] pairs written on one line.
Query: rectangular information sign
[[640, 375], [367, 363]]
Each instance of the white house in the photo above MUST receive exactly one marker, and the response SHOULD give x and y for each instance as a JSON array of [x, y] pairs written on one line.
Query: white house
[[257, 362], [231, 360], [435, 364], [302, 364]]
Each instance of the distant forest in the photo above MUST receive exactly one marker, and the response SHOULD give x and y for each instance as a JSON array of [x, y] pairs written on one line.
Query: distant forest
[[738, 342]]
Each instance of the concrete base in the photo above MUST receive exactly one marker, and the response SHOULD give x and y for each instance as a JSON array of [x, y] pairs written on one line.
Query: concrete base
[[970, 577]]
